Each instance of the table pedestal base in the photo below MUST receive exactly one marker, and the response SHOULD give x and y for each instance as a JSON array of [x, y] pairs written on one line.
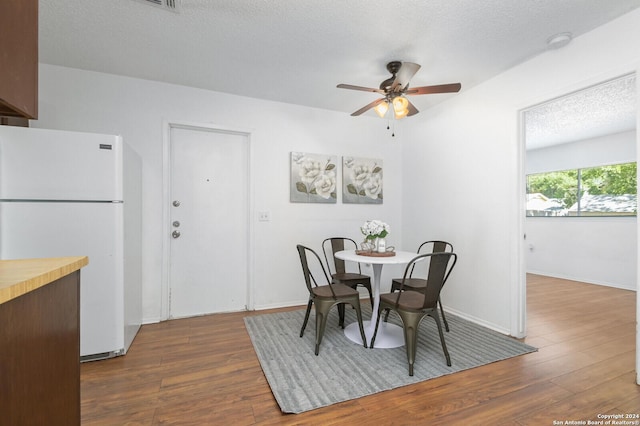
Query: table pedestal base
[[389, 335]]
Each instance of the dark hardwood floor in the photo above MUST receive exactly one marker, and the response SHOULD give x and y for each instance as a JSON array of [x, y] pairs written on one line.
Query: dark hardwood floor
[[203, 371]]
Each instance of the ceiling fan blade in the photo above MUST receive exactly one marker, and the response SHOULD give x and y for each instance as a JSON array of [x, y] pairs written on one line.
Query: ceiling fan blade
[[404, 75], [412, 109], [363, 89], [441, 88], [368, 107]]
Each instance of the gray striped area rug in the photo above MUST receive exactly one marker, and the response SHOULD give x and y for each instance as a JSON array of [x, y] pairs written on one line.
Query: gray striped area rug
[[301, 381]]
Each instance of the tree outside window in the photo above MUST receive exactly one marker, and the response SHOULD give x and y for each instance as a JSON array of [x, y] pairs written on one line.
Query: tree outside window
[[597, 191]]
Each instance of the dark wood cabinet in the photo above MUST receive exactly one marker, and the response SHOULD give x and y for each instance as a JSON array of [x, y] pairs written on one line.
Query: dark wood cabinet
[[19, 58], [40, 341]]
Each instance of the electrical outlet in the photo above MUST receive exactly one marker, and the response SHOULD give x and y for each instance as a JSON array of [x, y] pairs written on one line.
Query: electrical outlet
[[264, 216]]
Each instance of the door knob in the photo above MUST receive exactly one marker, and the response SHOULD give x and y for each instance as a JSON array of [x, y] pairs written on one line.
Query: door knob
[[175, 234], [176, 203]]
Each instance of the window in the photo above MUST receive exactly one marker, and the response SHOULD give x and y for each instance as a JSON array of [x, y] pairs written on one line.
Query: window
[[596, 191]]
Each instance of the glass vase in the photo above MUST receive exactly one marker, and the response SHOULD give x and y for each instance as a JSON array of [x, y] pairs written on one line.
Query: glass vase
[[367, 246]]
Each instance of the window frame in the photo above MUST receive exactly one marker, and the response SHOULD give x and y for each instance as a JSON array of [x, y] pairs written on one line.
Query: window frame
[[579, 194]]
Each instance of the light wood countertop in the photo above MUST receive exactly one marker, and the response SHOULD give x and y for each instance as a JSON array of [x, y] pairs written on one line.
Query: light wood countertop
[[18, 277]]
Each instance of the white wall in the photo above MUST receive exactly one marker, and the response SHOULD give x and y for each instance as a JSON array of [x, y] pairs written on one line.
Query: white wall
[[598, 250], [456, 173], [464, 169], [610, 149], [87, 101]]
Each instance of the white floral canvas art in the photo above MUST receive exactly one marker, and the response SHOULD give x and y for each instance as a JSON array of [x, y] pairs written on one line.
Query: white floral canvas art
[[361, 180], [313, 178]]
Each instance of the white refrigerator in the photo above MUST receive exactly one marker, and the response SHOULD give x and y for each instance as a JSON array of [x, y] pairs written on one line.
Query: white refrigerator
[[78, 194]]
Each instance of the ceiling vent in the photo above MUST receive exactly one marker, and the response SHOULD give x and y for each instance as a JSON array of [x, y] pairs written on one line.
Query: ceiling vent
[[172, 5]]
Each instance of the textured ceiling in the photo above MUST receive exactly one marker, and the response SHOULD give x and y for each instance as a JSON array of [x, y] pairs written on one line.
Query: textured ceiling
[[600, 110], [296, 51]]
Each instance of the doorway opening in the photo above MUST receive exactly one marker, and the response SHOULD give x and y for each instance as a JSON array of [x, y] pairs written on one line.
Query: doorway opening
[[595, 127]]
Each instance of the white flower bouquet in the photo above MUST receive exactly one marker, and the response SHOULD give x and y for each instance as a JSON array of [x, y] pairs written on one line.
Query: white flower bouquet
[[373, 229]]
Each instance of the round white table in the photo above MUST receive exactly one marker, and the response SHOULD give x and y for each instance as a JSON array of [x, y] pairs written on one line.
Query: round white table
[[389, 335]]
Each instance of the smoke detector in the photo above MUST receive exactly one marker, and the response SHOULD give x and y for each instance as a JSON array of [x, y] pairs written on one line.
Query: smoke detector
[[559, 40]]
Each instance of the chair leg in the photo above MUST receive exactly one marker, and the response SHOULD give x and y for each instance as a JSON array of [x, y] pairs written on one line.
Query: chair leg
[[341, 315], [375, 331], [386, 315], [306, 317], [370, 296], [368, 287], [410, 342], [321, 323], [341, 305], [444, 319], [444, 345], [359, 315], [410, 325]]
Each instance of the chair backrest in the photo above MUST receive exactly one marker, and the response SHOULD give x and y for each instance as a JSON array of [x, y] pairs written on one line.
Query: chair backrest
[[332, 245], [314, 260], [433, 246], [440, 266]]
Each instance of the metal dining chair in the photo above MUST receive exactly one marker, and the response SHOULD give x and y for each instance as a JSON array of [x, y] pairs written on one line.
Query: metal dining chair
[[419, 284], [412, 306], [325, 296], [337, 267]]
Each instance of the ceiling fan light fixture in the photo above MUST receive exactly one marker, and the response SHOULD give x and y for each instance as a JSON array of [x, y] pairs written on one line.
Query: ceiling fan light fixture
[[393, 91], [401, 114], [400, 107], [381, 109]]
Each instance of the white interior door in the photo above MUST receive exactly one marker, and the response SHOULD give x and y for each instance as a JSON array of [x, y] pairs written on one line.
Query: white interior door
[[208, 259]]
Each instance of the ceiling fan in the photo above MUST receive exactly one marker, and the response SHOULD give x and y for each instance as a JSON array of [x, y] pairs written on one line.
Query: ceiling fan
[[396, 88]]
